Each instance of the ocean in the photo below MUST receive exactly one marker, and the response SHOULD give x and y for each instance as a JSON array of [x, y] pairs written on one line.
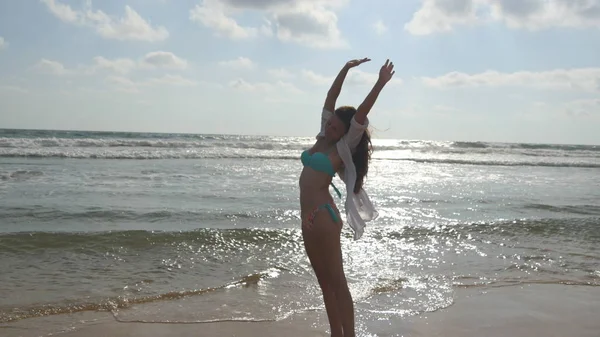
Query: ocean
[[192, 228]]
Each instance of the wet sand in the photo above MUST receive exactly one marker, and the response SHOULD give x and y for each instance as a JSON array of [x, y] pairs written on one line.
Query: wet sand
[[529, 310]]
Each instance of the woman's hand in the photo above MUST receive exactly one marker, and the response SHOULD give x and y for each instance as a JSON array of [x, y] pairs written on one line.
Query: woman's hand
[[386, 72], [356, 63], [385, 75]]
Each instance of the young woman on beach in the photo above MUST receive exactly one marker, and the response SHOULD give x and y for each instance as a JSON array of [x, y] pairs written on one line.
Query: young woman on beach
[[343, 146]]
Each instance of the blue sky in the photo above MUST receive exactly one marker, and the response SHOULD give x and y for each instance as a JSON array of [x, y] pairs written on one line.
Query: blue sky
[[490, 70]]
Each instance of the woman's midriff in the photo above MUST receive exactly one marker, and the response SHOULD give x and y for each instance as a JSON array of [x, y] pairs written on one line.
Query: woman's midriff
[[314, 190]]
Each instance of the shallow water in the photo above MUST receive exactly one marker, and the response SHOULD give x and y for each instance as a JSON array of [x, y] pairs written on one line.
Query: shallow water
[[202, 228]]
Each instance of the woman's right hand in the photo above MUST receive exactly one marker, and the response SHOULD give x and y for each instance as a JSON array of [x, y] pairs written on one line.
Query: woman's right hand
[[356, 62]]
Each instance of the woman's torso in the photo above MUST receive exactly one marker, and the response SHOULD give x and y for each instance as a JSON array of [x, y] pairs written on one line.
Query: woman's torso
[[314, 181]]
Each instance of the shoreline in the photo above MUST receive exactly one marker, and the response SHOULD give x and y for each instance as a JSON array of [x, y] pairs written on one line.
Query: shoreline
[[524, 310]]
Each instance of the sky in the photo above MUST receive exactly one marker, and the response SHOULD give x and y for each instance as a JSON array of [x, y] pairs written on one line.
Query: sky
[[467, 70]]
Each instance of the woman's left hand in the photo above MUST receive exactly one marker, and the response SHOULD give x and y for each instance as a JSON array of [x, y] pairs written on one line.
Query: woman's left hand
[[386, 72]]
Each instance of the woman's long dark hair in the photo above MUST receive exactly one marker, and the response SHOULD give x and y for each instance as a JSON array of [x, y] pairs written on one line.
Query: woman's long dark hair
[[362, 155]]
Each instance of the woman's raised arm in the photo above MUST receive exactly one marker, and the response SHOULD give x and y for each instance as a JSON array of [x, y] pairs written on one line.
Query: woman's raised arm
[[385, 75], [336, 87]]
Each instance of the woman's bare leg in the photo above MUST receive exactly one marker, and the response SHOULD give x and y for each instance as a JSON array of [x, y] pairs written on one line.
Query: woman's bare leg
[[345, 304], [316, 243], [337, 280]]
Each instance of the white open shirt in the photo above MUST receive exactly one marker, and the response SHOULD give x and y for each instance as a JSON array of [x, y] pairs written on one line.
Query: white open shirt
[[359, 208]]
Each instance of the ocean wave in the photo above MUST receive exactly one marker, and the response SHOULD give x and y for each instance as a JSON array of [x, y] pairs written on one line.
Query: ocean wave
[[15, 214], [56, 139], [75, 134], [578, 209], [526, 146], [138, 243], [580, 162], [589, 228], [116, 303], [36, 143], [145, 155], [21, 175], [499, 162], [139, 239], [471, 145]]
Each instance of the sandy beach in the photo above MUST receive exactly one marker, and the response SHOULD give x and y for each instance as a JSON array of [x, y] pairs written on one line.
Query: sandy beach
[[527, 310]]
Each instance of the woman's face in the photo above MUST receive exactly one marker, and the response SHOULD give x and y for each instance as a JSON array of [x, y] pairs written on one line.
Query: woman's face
[[334, 128]]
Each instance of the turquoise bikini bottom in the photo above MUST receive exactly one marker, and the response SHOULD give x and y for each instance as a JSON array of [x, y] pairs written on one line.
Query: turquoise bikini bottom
[[328, 207]]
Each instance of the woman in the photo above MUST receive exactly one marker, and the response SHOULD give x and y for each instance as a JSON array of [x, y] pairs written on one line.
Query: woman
[[342, 146]]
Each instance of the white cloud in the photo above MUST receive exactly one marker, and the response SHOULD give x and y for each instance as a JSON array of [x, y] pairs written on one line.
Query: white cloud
[[121, 66], [274, 4], [3, 43], [420, 110], [51, 67], [379, 27], [64, 12], [175, 80], [355, 77], [316, 79], [583, 108], [130, 27], [163, 59], [444, 109], [584, 79], [153, 60], [128, 85], [280, 73], [538, 14], [312, 23], [123, 84], [359, 77], [239, 63], [441, 16], [289, 87], [13, 89], [411, 110], [243, 85], [212, 14], [437, 16]]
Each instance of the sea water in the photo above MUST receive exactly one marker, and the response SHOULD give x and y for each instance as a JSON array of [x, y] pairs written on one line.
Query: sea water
[[190, 228]]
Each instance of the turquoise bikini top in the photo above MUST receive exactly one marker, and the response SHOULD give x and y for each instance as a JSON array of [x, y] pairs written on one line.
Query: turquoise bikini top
[[319, 161]]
